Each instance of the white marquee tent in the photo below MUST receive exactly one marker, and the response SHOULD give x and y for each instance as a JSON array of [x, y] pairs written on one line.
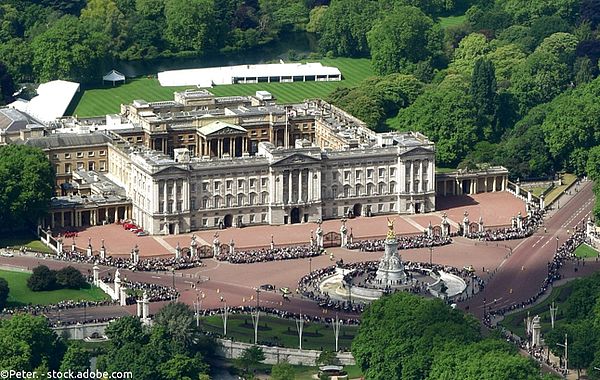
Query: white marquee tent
[[272, 72], [51, 101], [113, 76]]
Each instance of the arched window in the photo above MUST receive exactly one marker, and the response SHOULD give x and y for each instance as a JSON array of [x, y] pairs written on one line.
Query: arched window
[[381, 189], [357, 189], [392, 187], [265, 198], [370, 189]]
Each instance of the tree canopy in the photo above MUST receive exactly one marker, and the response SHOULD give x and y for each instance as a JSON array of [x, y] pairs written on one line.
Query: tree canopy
[[27, 179], [404, 336]]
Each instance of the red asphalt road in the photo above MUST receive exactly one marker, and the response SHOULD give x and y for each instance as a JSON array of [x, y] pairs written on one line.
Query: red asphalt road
[[525, 270]]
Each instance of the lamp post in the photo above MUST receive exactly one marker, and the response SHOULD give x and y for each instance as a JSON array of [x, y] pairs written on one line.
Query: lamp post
[[310, 265], [430, 255], [224, 316], [566, 347], [557, 244]]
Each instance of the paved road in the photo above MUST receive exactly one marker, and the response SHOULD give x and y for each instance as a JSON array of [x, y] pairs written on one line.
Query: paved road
[[519, 277]]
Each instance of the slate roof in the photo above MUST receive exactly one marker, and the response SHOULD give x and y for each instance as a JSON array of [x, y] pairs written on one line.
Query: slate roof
[[61, 140]]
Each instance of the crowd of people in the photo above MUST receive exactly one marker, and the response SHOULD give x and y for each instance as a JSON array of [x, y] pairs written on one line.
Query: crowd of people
[[309, 285], [62, 305], [404, 242], [155, 292], [530, 224], [269, 254], [152, 264]]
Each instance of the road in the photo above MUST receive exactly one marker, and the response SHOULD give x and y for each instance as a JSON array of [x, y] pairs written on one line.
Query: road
[[523, 271], [519, 277]]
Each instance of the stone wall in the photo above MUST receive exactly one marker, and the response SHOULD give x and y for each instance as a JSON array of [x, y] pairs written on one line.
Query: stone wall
[[274, 355], [79, 332]]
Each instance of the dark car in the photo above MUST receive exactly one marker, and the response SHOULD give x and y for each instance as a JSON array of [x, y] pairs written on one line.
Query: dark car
[[267, 287]]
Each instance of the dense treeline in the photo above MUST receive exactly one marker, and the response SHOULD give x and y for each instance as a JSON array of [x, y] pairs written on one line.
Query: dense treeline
[[404, 336], [514, 84], [78, 40], [173, 348]]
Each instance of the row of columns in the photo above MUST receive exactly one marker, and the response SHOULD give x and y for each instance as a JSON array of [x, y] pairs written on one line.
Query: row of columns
[[297, 180], [454, 186], [411, 166], [183, 195], [76, 218], [206, 146]]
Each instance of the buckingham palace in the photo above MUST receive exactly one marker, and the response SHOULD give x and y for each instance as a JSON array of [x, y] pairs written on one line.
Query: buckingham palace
[[202, 161], [266, 164]]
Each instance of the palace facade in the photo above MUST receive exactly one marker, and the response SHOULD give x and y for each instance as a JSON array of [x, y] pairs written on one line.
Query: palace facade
[[202, 161]]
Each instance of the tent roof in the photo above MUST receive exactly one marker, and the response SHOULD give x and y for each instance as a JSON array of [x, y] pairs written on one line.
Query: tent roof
[[113, 76], [51, 101]]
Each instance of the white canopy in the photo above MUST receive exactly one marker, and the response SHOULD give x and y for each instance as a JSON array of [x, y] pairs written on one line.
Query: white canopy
[[284, 72], [51, 101], [114, 76]]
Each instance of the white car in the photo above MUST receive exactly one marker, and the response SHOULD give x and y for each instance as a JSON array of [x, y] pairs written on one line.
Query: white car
[[6, 254]]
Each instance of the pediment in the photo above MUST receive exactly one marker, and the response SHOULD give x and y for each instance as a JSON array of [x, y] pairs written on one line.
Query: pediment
[[227, 131], [172, 170], [296, 159], [418, 151]]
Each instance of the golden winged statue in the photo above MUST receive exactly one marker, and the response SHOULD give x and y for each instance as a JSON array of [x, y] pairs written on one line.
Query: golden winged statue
[[391, 234]]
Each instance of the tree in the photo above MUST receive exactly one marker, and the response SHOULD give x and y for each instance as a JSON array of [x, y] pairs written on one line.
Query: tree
[[315, 19], [188, 24], [593, 168], [7, 87], [446, 115], [485, 98], [71, 278], [488, 359], [76, 359], [251, 357], [345, 26], [538, 80], [398, 333], [560, 45], [583, 69], [42, 278], [327, 357], [182, 367], [31, 340], [179, 325], [27, 179], [283, 371], [505, 59], [524, 152], [402, 39], [126, 330], [524, 10], [470, 49], [4, 290]]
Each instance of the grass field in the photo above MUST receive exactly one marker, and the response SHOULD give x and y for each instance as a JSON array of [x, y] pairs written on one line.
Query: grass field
[[515, 322], [20, 294], [24, 240], [452, 20], [107, 99], [585, 251], [567, 180], [441, 170], [276, 331]]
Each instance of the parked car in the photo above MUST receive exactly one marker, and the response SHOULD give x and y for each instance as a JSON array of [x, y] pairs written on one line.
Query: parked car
[[6, 254], [267, 287], [142, 233]]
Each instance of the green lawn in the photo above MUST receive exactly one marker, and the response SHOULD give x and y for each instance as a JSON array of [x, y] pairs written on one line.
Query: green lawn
[[107, 99], [515, 322], [441, 170], [20, 294], [280, 332], [538, 190], [567, 180], [23, 239], [452, 20], [584, 251]]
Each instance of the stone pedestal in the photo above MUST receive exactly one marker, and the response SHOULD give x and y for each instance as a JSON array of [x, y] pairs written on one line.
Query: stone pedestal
[[391, 269]]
